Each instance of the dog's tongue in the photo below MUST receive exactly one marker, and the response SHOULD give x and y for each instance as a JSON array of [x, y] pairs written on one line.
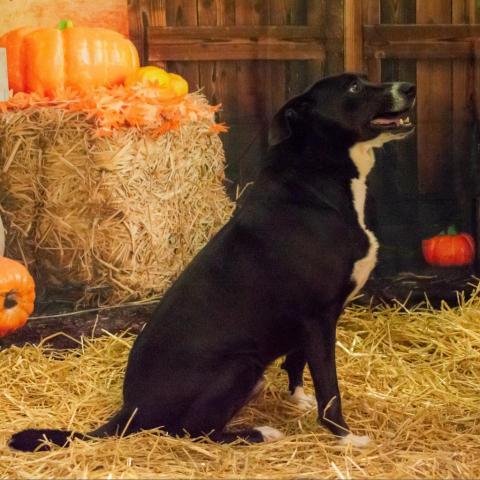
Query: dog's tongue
[[386, 121]]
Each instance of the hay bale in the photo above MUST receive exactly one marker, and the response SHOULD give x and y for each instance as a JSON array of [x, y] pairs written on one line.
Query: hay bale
[[115, 219]]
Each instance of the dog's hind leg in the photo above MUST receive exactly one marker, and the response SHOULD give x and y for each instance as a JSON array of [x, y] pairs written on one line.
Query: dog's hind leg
[[294, 365], [209, 414]]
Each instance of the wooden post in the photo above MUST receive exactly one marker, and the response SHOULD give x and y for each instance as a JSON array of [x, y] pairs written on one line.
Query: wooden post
[[3, 75], [353, 35], [371, 16]]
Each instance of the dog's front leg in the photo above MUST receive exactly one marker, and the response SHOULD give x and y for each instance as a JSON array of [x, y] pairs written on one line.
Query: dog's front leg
[[320, 354], [294, 365]]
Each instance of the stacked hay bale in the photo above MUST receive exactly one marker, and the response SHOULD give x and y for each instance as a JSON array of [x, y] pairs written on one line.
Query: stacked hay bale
[[112, 218]]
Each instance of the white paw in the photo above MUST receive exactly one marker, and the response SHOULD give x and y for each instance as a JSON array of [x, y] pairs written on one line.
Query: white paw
[[303, 400], [355, 440], [270, 434]]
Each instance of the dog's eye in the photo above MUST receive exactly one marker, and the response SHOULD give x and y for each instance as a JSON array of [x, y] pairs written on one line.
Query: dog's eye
[[354, 87]]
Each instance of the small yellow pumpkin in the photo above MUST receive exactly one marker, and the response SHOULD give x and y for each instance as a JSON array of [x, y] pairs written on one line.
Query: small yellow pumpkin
[[150, 75], [17, 295], [168, 84], [178, 84]]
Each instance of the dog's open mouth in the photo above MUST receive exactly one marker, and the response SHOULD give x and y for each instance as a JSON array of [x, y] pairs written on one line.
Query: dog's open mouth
[[392, 120]]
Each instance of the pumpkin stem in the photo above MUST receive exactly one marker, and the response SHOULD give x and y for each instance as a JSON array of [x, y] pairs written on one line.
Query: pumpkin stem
[[10, 300], [452, 230], [64, 24]]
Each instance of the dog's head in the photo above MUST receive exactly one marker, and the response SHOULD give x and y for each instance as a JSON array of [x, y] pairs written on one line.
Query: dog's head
[[349, 107]]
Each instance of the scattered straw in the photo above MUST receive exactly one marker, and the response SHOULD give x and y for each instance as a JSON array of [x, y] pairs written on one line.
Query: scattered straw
[[410, 380], [114, 218]]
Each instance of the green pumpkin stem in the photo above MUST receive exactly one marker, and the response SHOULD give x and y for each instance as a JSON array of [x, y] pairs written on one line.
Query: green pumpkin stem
[[452, 230], [64, 24]]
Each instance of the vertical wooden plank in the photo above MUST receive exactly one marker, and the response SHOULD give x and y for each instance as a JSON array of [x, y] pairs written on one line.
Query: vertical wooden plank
[[216, 78], [398, 12], [329, 18], [250, 131], [434, 115], [473, 11], [284, 79], [476, 83], [353, 35], [218, 81], [462, 93], [141, 15], [3, 78], [393, 182], [371, 16], [184, 13]]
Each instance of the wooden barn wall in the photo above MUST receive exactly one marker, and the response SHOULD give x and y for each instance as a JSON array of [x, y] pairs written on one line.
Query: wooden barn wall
[[427, 182], [249, 91]]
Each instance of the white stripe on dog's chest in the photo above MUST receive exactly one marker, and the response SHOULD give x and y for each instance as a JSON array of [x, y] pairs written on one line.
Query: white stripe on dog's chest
[[363, 158]]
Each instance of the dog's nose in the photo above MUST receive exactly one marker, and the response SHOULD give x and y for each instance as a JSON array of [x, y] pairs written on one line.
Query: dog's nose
[[408, 89]]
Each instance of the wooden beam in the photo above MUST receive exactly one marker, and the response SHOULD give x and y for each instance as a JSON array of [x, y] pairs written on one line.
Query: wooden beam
[[384, 34], [235, 43], [421, 50], [3, 75], [231, 32], [353, 17]]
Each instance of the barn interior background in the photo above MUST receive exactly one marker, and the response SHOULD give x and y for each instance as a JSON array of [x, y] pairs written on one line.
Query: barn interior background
[[409, 375], [253, 55]]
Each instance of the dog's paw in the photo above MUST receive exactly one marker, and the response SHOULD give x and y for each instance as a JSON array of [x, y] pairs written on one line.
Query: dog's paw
[[270, 434], [355, 440], [302, 400]]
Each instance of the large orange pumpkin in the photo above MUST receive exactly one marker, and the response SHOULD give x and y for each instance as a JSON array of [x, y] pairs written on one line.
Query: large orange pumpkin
[[46, 60], [17, 294], [448, 250]]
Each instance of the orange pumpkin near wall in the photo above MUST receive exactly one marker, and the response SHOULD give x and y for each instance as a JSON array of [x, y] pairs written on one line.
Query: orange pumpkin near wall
[[17, 295], [448, 250], [48, 60]]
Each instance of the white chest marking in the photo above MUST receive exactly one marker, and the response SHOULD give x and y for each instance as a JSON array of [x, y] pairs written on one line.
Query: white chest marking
[[363, 157]]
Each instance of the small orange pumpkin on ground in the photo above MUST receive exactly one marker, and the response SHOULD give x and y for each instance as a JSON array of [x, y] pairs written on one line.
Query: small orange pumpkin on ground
[[450, 249], [17, 295]]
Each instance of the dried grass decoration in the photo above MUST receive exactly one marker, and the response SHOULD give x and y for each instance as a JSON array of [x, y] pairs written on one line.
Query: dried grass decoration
[[112, 192]]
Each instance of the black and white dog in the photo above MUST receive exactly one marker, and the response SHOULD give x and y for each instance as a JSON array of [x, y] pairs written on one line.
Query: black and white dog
[[272, 282]]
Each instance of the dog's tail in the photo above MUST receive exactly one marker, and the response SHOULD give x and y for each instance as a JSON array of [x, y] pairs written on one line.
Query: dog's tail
[[38, 439]]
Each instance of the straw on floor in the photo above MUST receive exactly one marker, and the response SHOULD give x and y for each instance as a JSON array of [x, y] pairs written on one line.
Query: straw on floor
[[410, 380]]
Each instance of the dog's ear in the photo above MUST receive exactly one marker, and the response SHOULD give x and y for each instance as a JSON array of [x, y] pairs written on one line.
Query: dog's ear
[[281, 126], [294, 111]]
